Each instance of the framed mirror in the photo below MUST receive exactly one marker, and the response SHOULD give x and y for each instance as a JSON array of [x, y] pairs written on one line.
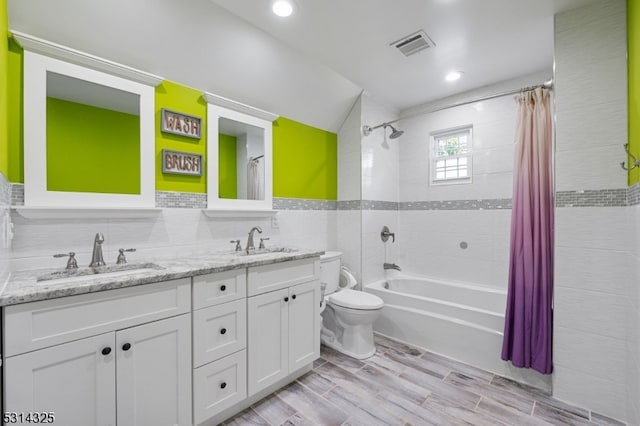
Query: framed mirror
[[239, 147], [88, 135]]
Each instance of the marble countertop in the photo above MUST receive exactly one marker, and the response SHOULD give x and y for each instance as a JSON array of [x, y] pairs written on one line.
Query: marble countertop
[[23, 286]]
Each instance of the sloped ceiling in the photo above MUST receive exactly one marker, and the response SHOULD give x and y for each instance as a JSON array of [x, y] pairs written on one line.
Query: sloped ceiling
[[312, 66]]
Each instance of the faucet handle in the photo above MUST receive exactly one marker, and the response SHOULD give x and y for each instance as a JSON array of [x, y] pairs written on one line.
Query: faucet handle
[[121, 257], [237, 243], [71, 263], [262, 240], [385, 234]]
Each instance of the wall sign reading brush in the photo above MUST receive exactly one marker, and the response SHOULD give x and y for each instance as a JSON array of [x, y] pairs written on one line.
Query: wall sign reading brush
[[181, 124], [181, 163]]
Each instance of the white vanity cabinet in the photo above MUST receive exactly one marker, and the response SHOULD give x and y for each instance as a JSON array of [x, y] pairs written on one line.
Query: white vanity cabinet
[[283, 320], [192, 351], [115, 357]]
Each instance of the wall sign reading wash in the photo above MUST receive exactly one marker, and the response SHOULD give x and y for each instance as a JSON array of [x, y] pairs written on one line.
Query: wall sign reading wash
[[181, 124], [181, 163]]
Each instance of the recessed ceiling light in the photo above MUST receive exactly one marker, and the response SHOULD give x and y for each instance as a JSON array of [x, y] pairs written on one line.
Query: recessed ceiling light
[[282, 8], [453, 76]]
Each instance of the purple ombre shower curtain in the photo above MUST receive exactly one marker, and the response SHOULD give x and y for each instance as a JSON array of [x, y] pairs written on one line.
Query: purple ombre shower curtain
[[529, 315]]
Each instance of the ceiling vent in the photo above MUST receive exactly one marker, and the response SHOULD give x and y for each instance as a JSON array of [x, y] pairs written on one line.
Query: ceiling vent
[[413, 43]]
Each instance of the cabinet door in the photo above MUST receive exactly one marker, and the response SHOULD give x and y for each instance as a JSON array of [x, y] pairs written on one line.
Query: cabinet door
[[268, 339], [304, 324], [74, 380], [154, 373]]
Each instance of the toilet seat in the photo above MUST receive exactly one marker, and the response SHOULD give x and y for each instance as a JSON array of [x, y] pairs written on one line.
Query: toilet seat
[[353, 299]]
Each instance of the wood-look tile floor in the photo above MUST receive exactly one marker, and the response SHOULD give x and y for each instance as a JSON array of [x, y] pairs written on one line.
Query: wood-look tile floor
[[402, 385]]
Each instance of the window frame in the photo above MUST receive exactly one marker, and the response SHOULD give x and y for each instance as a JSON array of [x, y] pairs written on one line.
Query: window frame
[[434, 158]]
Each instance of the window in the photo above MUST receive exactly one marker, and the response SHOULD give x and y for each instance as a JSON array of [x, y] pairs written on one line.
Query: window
[[451, 156]]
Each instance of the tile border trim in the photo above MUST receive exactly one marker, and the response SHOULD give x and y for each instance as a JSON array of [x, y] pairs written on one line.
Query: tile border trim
[[5, 191], [633, 195], [593, 198], [482, 204], [17, 194], [303, 204], [181, 200], [14, 194]]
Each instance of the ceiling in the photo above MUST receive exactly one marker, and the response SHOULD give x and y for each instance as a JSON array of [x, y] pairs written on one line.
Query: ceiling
[[312, 66]]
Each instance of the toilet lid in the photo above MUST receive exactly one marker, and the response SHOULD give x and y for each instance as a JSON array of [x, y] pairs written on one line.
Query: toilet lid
[[353, 299]]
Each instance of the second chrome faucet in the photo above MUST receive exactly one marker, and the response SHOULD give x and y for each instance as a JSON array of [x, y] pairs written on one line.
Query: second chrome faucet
[[250, 244], [96, 258]]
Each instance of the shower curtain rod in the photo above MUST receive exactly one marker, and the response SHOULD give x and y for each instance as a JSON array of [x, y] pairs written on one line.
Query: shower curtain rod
[[546, 84]]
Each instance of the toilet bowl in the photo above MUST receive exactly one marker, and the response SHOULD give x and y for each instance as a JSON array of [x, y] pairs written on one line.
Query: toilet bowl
[[347, 314]]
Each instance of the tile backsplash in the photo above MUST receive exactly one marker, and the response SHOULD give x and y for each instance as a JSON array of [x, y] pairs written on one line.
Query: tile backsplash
[[5, 227]]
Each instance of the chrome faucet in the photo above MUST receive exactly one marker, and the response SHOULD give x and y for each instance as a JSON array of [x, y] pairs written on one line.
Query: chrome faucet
[[96, 258], [391, 266], [250, 245]]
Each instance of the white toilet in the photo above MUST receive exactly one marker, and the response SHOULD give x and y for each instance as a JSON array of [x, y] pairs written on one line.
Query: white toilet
[[347, 315]]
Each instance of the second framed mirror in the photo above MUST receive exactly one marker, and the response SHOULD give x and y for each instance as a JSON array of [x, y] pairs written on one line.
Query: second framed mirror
[[239, 146]]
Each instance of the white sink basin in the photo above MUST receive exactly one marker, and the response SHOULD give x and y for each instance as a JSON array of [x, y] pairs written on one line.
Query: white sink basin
[[82, 274]]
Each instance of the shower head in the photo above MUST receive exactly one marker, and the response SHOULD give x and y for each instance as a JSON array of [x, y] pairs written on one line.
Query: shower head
[[396, 133], [366, 130]]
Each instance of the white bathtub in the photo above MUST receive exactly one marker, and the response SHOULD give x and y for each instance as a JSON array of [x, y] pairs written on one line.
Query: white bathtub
[[461, 321]]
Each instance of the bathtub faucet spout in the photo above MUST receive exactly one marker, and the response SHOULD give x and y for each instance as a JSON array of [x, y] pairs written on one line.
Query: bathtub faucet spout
[[392, 266]]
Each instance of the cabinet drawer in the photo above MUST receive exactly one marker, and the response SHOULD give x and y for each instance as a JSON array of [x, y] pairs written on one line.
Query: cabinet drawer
[[220, 287], [46, 323], [219, 385], [262, 279], [218, 331]]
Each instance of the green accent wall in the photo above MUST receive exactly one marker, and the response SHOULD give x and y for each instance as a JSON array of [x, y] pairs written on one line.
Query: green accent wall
[[4, 66], [92, 149], [186, 100], [304, 157], [633, 55], [305, 161], [227, 166], [15, 113]]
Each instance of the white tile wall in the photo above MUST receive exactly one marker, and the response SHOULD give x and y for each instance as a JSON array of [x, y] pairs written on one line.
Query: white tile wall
[[5, 201], [599, 352], [307, 228], [593, 312], [349, 240], [600, 394], [589, 269], [379, 154], [173, 233], [375, 252], [493, 124], [430, 245], [380, 182], [633, 388], [349, 222], [596, 274], [349, 136], [591, 90], [603, 228]]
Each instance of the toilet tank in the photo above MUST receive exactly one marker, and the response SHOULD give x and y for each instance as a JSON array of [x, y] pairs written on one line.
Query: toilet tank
[[330, 270]]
